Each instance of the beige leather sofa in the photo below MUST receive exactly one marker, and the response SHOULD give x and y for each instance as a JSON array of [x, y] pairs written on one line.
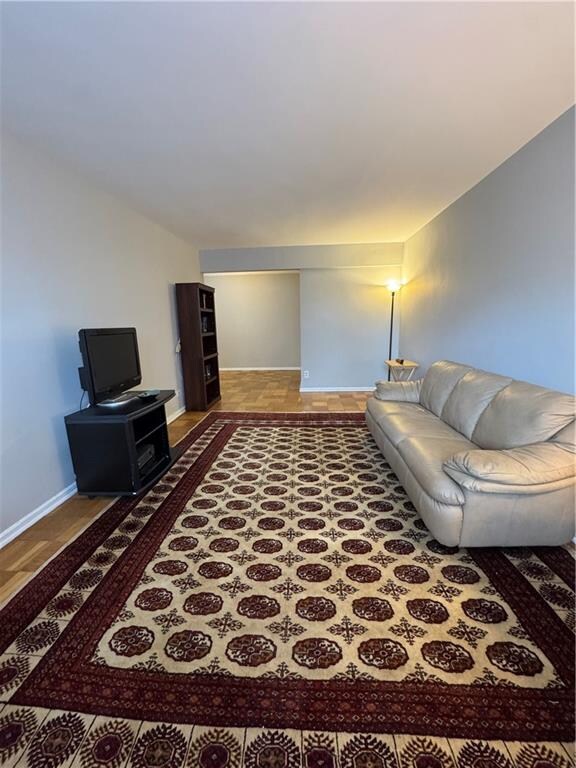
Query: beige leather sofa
[[486, 460]]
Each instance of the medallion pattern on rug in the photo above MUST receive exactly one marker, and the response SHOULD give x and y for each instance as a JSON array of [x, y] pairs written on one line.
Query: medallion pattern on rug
[[277, 601]]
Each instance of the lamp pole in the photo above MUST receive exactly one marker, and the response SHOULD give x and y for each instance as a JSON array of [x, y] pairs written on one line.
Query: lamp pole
[[391, 331]]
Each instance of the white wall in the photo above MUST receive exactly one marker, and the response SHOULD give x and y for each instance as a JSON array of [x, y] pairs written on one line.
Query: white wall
[[491, 279], [344, 306], [345, 326], [72, 257], [258, 319]]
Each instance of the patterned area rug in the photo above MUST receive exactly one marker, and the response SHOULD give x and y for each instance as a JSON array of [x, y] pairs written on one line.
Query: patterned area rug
[[277, 602]]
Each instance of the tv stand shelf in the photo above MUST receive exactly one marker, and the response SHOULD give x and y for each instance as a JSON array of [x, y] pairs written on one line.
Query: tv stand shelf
[[105, 443]]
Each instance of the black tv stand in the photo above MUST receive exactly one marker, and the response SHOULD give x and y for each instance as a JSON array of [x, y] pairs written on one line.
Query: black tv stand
[[106, 445]]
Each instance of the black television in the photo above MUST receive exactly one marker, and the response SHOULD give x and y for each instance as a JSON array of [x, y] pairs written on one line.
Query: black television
[[111, 362]]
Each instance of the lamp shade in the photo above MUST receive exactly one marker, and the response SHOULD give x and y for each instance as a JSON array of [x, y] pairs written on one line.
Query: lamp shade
[[393, 285]]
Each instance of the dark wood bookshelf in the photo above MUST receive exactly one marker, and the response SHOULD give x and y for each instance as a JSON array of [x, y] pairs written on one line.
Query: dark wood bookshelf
[[198, 345]]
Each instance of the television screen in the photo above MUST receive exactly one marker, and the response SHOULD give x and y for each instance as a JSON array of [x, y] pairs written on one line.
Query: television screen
[[111, 359]]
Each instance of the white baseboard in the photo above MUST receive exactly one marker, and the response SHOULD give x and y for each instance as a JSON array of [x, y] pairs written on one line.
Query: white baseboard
[[337, 389], [173, 416], [37, 514], [264, 368]]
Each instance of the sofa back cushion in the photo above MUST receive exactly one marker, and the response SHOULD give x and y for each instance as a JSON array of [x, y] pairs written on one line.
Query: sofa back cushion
[[470, 398], [521, 414], [438, 383]]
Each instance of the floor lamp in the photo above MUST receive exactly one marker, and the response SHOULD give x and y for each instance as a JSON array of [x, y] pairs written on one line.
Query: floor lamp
[[393, 286]]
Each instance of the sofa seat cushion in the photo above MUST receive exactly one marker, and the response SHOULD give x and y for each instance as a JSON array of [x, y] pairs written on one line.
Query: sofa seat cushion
[[414, 422], [425, 457], [380, 409]]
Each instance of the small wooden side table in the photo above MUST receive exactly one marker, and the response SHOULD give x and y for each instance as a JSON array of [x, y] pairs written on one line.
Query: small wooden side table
[[402, 371]]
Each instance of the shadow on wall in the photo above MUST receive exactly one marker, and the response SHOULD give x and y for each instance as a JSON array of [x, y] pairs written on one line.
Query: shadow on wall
[[171, 287], [68, 360]]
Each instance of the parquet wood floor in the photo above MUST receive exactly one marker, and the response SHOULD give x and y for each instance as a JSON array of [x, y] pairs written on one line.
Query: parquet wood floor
[[241, 391]]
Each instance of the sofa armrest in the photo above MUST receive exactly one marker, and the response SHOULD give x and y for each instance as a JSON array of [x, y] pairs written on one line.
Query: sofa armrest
[[531, 468], [405, 391]]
